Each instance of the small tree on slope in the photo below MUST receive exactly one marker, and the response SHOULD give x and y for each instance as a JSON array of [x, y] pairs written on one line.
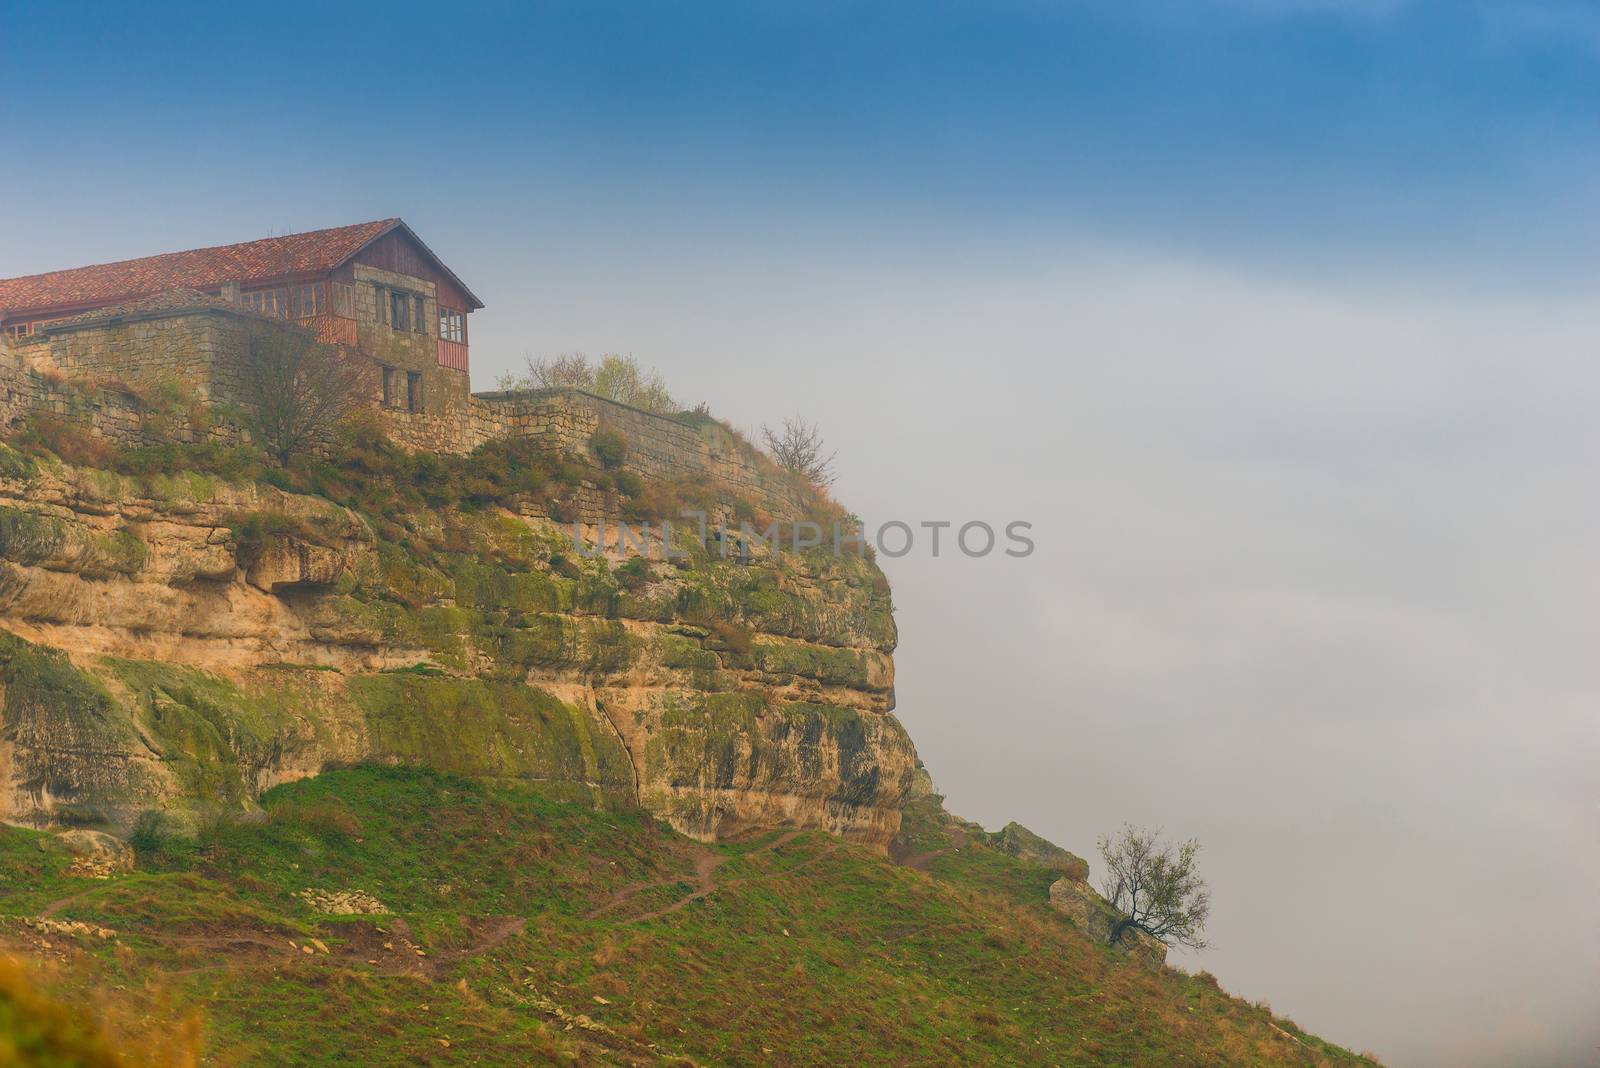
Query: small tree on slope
[[1156, 887], [799, 448]]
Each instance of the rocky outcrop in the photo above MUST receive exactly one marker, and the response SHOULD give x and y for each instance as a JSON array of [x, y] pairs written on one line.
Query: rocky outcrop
[[1022, 843], [183, 642], [1095, 917], [96, 854]]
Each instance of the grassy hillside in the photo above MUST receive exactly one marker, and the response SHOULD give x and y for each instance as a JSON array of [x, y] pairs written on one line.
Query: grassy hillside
[[517, 930]]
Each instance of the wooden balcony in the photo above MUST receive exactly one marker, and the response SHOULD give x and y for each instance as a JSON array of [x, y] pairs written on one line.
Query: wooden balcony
[[453, 354], [331, 329]]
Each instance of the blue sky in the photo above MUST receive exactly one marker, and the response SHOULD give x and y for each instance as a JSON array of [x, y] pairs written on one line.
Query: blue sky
[[1275, 317], [1460, 132]]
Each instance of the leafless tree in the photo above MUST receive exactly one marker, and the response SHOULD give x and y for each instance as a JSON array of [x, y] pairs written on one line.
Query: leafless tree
[[1156, 887], [616, 377], [799, 448], [298, 388], [570, 369]]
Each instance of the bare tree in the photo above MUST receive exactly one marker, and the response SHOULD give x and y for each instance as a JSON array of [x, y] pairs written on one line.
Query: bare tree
[[799, 448], [616, 377], [298, 388], [1156, 887], [572, 370]]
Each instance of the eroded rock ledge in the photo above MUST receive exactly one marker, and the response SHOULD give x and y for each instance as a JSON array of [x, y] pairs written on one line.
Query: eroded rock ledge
[[184, 642]]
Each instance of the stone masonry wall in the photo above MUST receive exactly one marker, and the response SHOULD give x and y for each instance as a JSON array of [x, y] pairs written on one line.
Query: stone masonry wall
[[196, 349], [443, 421], [79, 372], [660, 448], [108, 412]]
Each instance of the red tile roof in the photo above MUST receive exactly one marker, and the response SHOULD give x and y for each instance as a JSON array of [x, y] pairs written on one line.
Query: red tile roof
[[314, 252], [171, 300]]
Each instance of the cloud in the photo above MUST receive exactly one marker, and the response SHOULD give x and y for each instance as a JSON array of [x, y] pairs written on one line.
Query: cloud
[[1314, 583]]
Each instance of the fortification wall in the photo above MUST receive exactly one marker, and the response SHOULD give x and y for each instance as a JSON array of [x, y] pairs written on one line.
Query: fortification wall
[[198, 349], [659, 447], [106, 411], [94, 372]]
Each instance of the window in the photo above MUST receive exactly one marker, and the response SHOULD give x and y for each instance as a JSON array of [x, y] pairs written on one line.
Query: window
[[306, 301], [265, 301], [388, 387], [288, 302], [399, 310], [452, 325], [19, 330], [413, 391], [342, 299], [420, 323]]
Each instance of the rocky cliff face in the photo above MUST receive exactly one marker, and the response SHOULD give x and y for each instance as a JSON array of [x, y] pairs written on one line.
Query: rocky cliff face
[[180, 643]]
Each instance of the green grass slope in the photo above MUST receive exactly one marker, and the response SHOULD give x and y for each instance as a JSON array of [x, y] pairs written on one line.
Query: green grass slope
[[522, 930]]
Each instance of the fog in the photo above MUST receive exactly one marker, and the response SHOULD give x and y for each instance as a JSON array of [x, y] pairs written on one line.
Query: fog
[[1314, 582], [1275, 318]]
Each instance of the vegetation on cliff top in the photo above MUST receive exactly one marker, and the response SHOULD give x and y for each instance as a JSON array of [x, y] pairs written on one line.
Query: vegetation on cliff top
[[519, 930], [387, 483], [498, 622]]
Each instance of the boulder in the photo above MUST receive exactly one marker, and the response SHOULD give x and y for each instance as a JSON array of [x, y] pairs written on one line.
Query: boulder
[[1097, 918], [97, 854]]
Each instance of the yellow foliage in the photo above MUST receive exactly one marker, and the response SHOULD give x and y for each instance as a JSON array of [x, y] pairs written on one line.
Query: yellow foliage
[[39, 1027]]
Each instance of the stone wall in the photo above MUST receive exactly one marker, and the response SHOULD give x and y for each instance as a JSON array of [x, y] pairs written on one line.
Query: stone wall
[[659, 447], [198, 348], [93, 370], [107, 411]]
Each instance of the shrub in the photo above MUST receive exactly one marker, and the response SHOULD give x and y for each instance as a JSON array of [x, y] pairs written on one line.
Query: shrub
[[634, 574], [321, 817], [616, 377], [71, 442], [628, 484], [739, 640], [609, 447], [46, 1020], [154, 841], [699, 415], [148, 834], [14, 464], [252, 529]]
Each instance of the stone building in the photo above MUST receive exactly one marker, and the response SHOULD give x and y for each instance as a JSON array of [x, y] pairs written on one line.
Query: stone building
[[373, 288], [375, 291]]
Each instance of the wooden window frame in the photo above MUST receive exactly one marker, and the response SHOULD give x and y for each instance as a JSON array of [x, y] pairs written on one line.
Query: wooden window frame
[[452, 325], [400, 310]]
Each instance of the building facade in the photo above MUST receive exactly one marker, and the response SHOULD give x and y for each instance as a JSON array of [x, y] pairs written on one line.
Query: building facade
[[90, 344], [373, 287]]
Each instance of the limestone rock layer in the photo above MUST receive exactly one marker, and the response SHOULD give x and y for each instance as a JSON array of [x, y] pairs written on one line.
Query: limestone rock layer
[[180, 643]]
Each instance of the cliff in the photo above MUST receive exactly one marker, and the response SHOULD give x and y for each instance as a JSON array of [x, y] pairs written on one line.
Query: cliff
[[341, 714], [180, 641]]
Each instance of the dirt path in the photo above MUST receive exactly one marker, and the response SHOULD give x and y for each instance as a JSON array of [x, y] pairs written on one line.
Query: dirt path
[[60, 903], [920, 861], [703, 880], [705, 867], [390, 947]]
